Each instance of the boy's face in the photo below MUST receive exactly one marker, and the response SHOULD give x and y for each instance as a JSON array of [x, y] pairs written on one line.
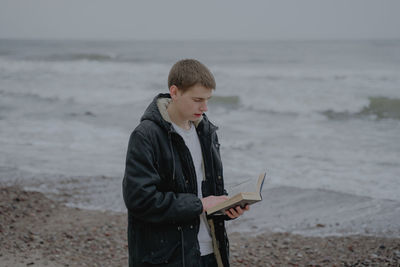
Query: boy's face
[[192, 103]]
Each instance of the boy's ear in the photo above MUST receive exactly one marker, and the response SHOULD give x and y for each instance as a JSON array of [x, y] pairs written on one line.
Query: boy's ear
[[173, 91]]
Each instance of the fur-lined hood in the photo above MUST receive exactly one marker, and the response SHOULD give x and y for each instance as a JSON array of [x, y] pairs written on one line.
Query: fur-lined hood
[[157, 112]]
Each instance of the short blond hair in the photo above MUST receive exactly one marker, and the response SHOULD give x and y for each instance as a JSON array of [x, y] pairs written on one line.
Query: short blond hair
[[189, 72]]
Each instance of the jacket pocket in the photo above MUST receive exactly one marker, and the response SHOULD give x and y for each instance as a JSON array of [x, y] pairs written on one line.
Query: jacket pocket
[[161, 256], [162, 246]]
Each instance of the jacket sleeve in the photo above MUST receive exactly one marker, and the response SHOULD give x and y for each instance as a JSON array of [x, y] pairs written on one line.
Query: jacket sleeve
[[140, 193]]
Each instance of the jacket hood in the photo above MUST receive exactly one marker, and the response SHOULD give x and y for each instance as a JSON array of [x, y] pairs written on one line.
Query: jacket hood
[[157, 112]]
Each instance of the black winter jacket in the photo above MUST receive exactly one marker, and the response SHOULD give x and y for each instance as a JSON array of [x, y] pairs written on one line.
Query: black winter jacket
[[160, 192]]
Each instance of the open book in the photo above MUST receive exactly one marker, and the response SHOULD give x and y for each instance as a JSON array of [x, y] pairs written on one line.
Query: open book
[[241, 199]]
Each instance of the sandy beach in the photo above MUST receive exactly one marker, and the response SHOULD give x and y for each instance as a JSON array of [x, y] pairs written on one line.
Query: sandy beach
[[38, 231]]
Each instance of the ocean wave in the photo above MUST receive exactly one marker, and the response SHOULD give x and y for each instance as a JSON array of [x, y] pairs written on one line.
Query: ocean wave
[[383, 107], [94, 57], [231, 101], [86, 113], [378, 108], [33, 96], [81, 56], [301, 78], [272, 112]]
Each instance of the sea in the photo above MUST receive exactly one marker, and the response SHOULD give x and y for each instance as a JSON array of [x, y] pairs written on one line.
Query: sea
[[322, 118]]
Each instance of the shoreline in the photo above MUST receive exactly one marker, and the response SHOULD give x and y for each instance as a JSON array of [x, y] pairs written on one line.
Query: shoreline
[[38, 231]]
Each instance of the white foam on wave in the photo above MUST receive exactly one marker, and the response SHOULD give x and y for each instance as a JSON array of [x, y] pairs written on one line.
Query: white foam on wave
[[84, 82], [307, 90]]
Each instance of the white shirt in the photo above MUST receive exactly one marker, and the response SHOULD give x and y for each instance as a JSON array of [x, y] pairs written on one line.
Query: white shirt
[[192, 142]]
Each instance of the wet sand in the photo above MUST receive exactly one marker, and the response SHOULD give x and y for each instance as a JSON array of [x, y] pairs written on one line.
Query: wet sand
[[37, 231]]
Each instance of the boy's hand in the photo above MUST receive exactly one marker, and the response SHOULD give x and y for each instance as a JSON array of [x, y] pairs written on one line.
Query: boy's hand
[[211, 201], [236, 212]]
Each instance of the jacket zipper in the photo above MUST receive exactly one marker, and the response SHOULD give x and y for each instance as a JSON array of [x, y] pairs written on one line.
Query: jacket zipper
[[183, 246]]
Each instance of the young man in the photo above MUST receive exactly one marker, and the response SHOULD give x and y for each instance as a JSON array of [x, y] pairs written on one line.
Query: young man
[[174, 174]]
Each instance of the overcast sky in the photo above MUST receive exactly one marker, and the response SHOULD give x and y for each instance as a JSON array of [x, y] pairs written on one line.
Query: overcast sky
[[204, 19]]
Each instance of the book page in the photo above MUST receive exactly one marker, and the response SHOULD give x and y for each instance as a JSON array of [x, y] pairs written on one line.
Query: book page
[[245, 185]]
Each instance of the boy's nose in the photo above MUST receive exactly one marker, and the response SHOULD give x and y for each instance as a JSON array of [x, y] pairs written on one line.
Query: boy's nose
[[204, 107]]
